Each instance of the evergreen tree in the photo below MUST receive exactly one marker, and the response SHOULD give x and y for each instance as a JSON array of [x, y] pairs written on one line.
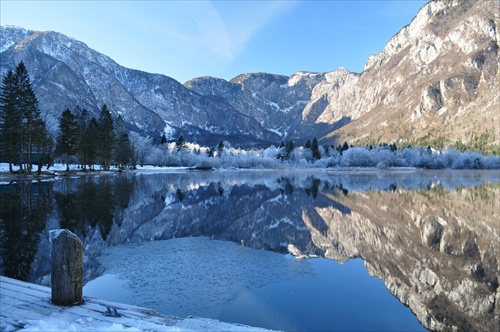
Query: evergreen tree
[[326, 147], [44, 146], [308, 144], [107, 138], [220, 148], [315, 149], [22, 127], [289, 147], [285, 149], [67, 139], [123, 149], [180, 143], [9, 127], [163, 139], [343, 148], [30, 115], [91, 142], [82, 118]]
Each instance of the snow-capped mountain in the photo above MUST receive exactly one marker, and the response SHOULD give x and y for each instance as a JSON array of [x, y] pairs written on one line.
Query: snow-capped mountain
[[436, 81], [66, 73]]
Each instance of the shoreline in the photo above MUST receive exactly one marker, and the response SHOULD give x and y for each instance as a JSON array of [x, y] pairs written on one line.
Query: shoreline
[[60, 171]]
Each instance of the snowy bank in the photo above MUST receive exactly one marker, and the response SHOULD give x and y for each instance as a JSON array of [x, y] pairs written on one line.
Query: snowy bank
[[27, 307]]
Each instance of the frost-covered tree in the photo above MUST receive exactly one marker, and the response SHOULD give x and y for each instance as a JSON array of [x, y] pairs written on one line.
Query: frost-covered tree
[[141, 148]]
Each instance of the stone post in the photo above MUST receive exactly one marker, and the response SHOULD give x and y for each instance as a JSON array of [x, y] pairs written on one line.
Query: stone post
[[66, 278]]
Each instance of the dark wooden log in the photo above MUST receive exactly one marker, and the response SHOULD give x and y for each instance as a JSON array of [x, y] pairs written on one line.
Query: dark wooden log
[[66, 278]]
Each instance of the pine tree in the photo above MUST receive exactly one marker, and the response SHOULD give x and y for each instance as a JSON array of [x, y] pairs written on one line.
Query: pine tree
[[220, 148], [343, 147], [180, 143], [44, 146], [82, 118], [315, 149], [107, 138], [8, 124], [123, 151], [22, 128], [289, 147], [29, 114], [163, 139], [91, 142], [308, 144], [67, 139]]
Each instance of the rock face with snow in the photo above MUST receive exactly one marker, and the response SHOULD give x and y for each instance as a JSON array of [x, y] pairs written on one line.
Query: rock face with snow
[[437, 77], [436, 81], [66, 73]]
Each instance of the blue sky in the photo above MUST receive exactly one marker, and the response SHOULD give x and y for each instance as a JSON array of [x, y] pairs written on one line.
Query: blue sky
[[188, 39]]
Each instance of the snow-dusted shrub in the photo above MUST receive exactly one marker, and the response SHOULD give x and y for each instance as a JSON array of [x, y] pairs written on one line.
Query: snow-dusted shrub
[[468, 160], [448, 157], [385, 158], [491, 162], [156, 157], [357, 157], [381, 157], [270, 152]]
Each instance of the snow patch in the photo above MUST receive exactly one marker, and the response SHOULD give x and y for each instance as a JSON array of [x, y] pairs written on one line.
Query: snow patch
[[169, 131]]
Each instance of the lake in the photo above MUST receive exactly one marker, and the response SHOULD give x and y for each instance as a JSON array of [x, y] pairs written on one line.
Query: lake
[[295, 250]]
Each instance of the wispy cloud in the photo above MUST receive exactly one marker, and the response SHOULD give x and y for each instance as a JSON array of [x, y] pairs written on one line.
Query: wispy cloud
[[227, 27], [196, 37], [212, 29]]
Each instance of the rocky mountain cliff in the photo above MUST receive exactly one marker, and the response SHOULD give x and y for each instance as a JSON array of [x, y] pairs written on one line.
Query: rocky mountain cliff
[[435, 82]]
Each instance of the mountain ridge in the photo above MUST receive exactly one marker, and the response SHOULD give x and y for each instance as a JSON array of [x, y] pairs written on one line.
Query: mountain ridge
[[437, 73]]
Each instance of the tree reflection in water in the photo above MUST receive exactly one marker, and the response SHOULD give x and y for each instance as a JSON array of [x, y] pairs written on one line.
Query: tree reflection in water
[[93, 203], [85, 205], [24, 208]]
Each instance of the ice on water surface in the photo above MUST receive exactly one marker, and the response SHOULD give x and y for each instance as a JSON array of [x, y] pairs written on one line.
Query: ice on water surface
[[200, 270]]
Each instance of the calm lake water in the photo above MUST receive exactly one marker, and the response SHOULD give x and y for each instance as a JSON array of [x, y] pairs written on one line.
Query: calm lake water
[[290, 250]]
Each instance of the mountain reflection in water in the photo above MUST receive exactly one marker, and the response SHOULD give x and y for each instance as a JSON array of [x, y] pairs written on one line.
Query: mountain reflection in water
[[431, 236]]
